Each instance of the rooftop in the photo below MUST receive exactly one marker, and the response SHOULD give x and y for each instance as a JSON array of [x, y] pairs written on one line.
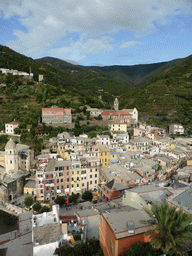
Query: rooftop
[[120, 228], [183, 200], [47, 234]]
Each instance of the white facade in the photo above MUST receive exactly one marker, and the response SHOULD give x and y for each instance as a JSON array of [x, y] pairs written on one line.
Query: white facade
[[176, 129], [16, 72], [94, 112], [103, 140], [9, 127]]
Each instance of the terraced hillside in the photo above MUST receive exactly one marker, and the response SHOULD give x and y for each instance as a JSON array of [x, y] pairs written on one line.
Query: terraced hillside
[[168, 95]]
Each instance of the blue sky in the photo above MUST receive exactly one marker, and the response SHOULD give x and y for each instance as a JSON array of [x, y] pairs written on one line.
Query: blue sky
[[98, 32]]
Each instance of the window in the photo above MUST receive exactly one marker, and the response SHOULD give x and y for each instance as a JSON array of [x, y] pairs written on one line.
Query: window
[[82, 184], [72, 172], [51, 175], [77, 172], [90, 182], [72, 185], [71, 179], [90, 170], [95, 175], [111, 246], [41, 191], [60, 174], [61, 180], [77, 185], [67, 179], [10, 161], [67, 173], [47, 176], [90, 176], [67, 186], [95, 181], [77, 178], [67, 169], [57, 180], [57, 187], [61, 186]]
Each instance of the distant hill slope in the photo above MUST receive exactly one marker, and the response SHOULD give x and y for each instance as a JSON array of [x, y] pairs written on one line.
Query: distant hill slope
[[86, 82], [167, 95], [129, 76]]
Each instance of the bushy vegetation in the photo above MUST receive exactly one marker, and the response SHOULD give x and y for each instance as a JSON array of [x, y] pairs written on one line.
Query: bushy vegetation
[[90, 248], [166, 98], [28, 201], [145, 249], [87, 195]]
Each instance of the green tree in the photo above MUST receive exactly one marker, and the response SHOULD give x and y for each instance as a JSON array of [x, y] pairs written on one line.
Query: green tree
[[87, 195], [73, 198], [28, 201], [3, 139], [17, 131], [37, 207], [44, 209], [60, 200], [170, 229]]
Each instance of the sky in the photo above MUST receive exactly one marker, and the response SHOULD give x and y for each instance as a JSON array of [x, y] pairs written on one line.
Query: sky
[[98, 32]]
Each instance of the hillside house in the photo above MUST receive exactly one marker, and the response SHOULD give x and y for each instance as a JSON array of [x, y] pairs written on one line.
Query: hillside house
[[176, 129], [56, 115], [10, 127]]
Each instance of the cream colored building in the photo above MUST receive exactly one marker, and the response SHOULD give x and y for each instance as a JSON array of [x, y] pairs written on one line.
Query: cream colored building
[[118, 127], [11, 158]]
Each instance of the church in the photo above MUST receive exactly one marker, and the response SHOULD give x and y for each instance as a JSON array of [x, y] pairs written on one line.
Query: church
[[12, 177]]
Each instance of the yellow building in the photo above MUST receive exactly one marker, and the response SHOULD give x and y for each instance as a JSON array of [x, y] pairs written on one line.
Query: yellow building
[[189, 161], [113, 155], [104, 155], [151, 136], [76, 177], [170, 146], [30, 188]]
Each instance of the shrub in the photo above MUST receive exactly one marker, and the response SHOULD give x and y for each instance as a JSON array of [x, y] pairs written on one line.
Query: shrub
[[28, 201], [87, 195]]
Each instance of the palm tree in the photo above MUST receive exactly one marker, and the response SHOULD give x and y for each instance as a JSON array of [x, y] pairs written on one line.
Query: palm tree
[[169, 229]]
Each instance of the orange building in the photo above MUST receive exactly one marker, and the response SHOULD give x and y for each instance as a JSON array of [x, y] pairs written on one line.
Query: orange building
[[120, 230]]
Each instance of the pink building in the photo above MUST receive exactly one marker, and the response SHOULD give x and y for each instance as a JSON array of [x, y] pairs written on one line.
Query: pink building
[[117, 116]]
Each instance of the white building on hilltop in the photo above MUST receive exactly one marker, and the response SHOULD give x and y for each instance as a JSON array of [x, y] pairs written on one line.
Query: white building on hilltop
[[10, 127]]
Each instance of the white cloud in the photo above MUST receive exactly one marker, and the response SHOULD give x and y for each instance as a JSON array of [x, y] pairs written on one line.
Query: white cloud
[[48, 21], [76, 51], [128, 44]]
